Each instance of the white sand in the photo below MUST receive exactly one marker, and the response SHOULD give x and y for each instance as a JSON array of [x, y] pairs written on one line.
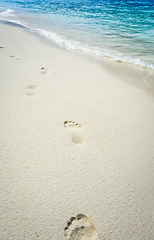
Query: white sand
[[49, 173]]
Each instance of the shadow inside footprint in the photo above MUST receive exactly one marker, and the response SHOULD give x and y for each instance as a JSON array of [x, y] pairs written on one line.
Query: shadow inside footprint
[[2, 48], [76, 133], [71, 124], [78, 138], [80, 228], [12, 56], [45, 70], [31, 90]]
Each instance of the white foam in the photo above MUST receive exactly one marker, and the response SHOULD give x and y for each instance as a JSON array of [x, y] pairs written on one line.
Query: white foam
[[10, 16], [90, 50], [76, 46], [7, 13]]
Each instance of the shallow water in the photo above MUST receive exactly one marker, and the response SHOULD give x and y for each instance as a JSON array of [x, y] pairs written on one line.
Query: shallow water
[[120, 30]]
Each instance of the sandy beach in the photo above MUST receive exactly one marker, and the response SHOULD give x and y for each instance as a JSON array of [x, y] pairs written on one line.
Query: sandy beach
[[77, 146]]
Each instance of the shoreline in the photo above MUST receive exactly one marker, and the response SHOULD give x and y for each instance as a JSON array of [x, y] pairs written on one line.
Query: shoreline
[[53, 170], [140, 77]]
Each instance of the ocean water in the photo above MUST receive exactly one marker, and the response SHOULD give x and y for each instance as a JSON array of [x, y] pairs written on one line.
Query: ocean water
[[120, 30]]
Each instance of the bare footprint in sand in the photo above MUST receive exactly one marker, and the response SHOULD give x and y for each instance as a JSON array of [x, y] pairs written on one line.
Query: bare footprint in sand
[[80, 228], [76, 132], [2, 48], [31, 90], [12, 56], [45, 70]]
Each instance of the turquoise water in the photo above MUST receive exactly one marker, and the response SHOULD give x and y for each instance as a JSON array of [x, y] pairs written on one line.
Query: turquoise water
[[121, 30]]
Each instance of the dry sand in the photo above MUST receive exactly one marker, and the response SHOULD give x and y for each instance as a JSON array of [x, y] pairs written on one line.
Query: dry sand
[[75, 142]]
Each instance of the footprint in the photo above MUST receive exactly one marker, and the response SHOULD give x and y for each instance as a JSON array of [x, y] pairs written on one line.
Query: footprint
[[31, 90], [12, 56], [45, 70], [2, 48], [80, 228], [71, 124], [76, 133]]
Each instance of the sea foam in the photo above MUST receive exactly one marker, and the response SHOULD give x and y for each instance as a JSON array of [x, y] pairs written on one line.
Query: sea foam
[[68, 43]]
